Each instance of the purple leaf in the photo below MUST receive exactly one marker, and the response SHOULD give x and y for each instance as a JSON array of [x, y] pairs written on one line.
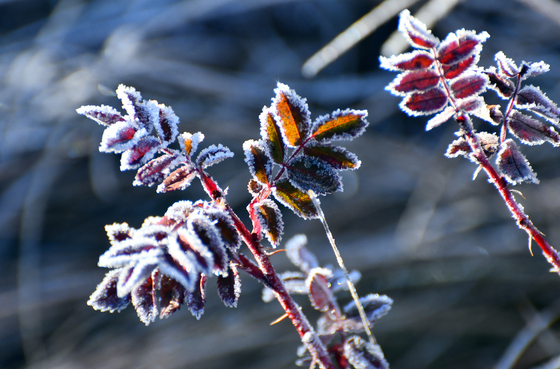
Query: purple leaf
[[270, 219], [416, 32], [340, 125], [533, 99], [196, 298], [506, 66], [174, 270], [299, 255], [513, 166], [440, 118], [502, 85], [213, 155], [413, 81], [469, 85], [375, 307], [229, 287], [364, 355], [143, 150], [105, 296], [157, 169], [418, 59], [425, 103], [531, 131], [307, 173], [190, 253], [203, 233], [167, 125], [145, 302], [178, 180], [104, 115], [294, 199], [319, 293], [171, 296], [291, 114], [121, 136], [136, 273], [146, 113], [256, 157], [460, 46]]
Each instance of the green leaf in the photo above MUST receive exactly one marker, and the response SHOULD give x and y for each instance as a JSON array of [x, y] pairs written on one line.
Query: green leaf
[[336, 156], [294, 199], [340, 125]]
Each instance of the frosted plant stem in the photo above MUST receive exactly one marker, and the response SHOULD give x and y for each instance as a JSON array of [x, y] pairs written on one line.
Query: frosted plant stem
[[340, 261]]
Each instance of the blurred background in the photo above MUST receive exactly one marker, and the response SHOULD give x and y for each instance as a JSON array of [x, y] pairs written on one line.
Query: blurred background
[[467, 293]]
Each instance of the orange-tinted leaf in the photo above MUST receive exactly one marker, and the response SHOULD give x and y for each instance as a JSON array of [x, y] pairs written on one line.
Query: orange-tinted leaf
[[340, 125], [336, 156], [271, 222], [258, 161], [291, 114], [294, 199], [271, 134]]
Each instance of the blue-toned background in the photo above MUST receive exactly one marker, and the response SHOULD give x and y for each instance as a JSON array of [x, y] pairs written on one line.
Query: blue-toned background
[[419, 229]]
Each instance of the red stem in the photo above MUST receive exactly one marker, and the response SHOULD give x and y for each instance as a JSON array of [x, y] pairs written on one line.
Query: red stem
[[271, 279], [523, 221]]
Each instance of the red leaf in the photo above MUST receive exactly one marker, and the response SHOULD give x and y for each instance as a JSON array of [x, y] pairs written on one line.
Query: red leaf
[[144, 150], [502, 85], [121, 136], [319, 292], [424, 103], [145, 302], [416, 32], [513, 166], [171, 296], [455, 70], [157, 169], [469, 85], [415, 60], [418, 80], [178, 180], [533, 99], [460, 46]]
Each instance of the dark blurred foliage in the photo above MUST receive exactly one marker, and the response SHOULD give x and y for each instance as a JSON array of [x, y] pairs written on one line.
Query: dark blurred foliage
[[442, 246]]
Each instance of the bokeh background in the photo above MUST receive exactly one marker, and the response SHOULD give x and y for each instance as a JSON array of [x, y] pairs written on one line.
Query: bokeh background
[[467, 292]]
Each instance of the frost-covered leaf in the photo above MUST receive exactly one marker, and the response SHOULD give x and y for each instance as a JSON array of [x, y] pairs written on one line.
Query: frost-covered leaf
[[104, 115], [203, 233], [178, 180], [375, 306], [513, 166], [105, 297], [416, 32], [145, 302], [270, 219], [129, 251], [299, 255], [503, 86], [294, 199], [254, 187], [319, 293], [167, 125], [364, 355], [143, 150], [469, 85], [157, 169], [121, 136], [440, 118], [535, 69], [458, 147], [229, 287], [189, 143], [340, 125], [425, 103], [118, 232], [489, 142], [260, 165], [171, 296], [532, 98], [455, 70], [222, 220], [336, 156], [136, 273], [190, 252], [294, 282], [146, 113], [196, 298], [418, 59], [460, 46], [531, 131], [272, 136], [292, 115], [212, 155], [307, 174], [179, 211], [506, 66], [413, 81]]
